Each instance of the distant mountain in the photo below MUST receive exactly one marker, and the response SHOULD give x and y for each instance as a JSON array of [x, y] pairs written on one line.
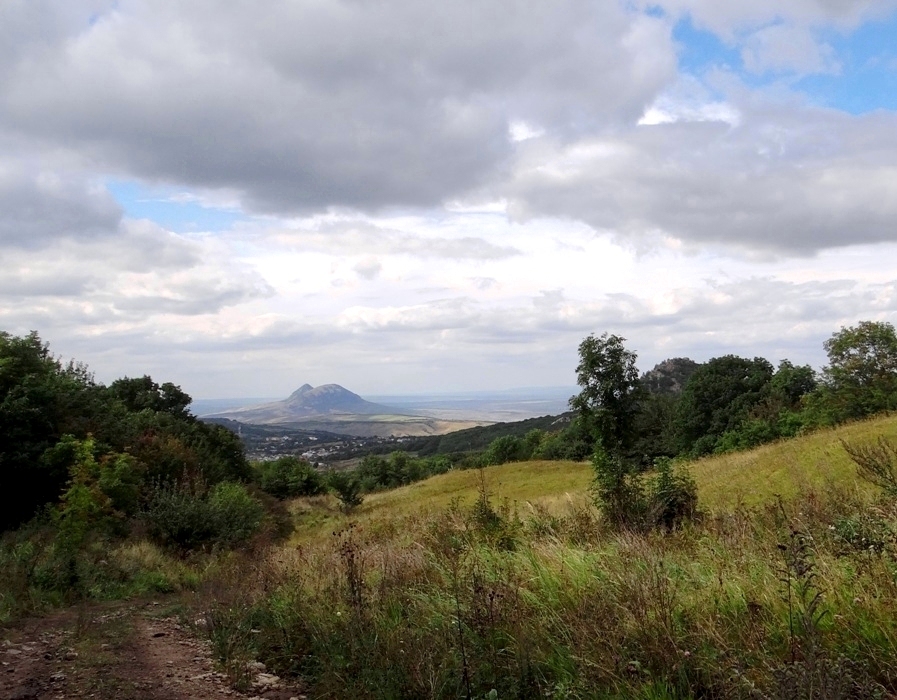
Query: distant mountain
[[309, 403]]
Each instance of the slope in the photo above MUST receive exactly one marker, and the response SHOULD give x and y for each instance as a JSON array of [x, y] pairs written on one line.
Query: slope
[[811, 462]]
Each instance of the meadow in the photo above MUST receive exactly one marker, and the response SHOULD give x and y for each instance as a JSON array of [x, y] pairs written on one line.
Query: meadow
[[505, 582]]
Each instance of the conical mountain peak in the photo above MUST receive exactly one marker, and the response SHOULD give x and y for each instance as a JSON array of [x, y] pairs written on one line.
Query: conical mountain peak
[[304, 389]]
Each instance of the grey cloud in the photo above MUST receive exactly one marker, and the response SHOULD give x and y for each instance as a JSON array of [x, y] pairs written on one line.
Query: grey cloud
[[302, 106], [40, 208], [782, 182], [19, 284]]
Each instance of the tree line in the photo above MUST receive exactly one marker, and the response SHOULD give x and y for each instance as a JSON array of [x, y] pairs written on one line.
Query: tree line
[[682, 408]]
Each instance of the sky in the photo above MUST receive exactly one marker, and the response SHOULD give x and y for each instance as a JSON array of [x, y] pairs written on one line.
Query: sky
[[421, 197]]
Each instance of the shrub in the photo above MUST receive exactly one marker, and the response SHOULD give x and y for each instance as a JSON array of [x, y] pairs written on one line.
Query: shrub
[[347, 488], [633, 500], [507, 448], [186, 515], [876, 463], [235, 513], [672, 496], [289, 477]]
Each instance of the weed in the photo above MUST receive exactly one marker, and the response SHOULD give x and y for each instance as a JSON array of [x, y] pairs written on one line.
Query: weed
[[876, 463]]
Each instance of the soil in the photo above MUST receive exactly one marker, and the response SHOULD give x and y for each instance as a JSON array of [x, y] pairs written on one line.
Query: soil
[[126, 651]]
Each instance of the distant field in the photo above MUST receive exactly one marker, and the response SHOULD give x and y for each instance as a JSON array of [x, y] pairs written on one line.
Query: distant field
[[755, 477]]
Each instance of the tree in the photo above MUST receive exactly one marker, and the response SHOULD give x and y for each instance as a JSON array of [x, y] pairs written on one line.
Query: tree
[[718, 398], [861, 377], [608, 402], [36, 395], [142, 393], [655, 423]]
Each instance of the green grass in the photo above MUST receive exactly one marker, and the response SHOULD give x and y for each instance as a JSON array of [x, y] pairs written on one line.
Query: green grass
[[422, 593], [544, 483], [789, 468]]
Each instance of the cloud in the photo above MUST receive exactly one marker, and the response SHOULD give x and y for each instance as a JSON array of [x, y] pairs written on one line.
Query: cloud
[[790, 179], [781, 47], [360, 235], [728, 19], [368, 269], [302, 106], [41, 207]]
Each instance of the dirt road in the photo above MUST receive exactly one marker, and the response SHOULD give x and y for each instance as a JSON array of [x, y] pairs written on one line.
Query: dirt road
[[125, 651]]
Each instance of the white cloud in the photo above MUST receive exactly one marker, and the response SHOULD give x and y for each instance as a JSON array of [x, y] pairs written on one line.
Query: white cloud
[[787, 48], [369, 268], [789, 179], [450, 194]]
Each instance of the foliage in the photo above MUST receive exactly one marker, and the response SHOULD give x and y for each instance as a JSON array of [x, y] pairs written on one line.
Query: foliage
[[861, 377], [672, 496], [618, 490], [143, 393], [876, 463], [188, 515], [718, 398], [630, 499], [608, 401], [288, 477], [35, 390], [507, 448], [346, 486], [398, 469], [481, 437], [139, 431]]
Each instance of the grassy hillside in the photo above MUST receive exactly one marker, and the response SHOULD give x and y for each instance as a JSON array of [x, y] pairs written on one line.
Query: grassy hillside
[[788, 468], [428, 592]]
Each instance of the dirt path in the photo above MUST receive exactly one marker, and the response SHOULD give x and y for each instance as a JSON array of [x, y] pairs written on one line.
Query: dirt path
[[123, 651]]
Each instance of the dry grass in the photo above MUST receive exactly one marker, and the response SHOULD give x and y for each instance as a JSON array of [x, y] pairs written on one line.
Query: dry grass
[[812, 463], [432, 592], [788, 468]]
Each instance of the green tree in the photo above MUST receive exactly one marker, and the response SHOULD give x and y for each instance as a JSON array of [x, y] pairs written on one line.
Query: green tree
[[507, 448], [40, 400], [346, 486], [609, 399], [861, 377], [288, 477], [142, 393], [718, 398]]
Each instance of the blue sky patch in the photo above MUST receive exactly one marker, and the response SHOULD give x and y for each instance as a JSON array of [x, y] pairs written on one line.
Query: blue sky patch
[[867, 56], [701, 50], [868, 77], [168, 207]]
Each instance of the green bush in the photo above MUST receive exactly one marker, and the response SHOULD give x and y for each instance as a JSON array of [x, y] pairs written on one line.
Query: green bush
[[234, 512], [347, 488], [507, 448], [672, 496], [289, 477], [634, 500], [187, 515]]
